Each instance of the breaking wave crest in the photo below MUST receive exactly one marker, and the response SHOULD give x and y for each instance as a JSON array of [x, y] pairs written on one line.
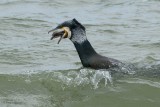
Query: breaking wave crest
[[84, 77]]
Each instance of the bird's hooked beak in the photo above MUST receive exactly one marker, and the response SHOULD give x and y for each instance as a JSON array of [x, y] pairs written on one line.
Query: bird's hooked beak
[[63, 32]]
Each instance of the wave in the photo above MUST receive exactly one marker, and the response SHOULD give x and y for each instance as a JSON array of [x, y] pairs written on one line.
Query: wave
[[141, 81], [58, 87]]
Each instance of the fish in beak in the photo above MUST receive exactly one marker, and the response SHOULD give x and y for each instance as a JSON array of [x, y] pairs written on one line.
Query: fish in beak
[[63, 32]]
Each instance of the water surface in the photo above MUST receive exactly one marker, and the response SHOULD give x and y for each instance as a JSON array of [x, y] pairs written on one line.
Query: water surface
[[36, 72]]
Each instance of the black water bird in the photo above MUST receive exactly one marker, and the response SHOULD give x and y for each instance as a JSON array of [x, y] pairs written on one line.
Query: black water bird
[[75, 31]]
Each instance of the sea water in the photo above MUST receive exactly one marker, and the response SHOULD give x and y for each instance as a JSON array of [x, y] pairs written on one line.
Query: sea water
[[37, 72]]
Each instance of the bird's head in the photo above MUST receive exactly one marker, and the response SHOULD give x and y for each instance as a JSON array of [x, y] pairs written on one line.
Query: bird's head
[[71, 29]]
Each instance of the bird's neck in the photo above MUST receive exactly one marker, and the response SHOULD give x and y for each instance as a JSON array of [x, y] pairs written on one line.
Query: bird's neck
[[85, 51]]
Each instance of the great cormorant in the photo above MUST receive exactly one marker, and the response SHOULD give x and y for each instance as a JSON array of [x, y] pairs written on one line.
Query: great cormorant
[[75, 31]]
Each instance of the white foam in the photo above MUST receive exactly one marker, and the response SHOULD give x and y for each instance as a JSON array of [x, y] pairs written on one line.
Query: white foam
[[84, 77], [98, 76]]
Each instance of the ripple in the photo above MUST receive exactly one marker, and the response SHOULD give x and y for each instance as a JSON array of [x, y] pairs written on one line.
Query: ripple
[[109, 31], [142, 81]]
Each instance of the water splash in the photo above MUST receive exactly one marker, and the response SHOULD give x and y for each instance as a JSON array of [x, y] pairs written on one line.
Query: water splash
[[98, 76], [84, 77]]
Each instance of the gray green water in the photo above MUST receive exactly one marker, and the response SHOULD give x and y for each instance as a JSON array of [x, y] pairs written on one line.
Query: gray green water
[[36, 72]]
